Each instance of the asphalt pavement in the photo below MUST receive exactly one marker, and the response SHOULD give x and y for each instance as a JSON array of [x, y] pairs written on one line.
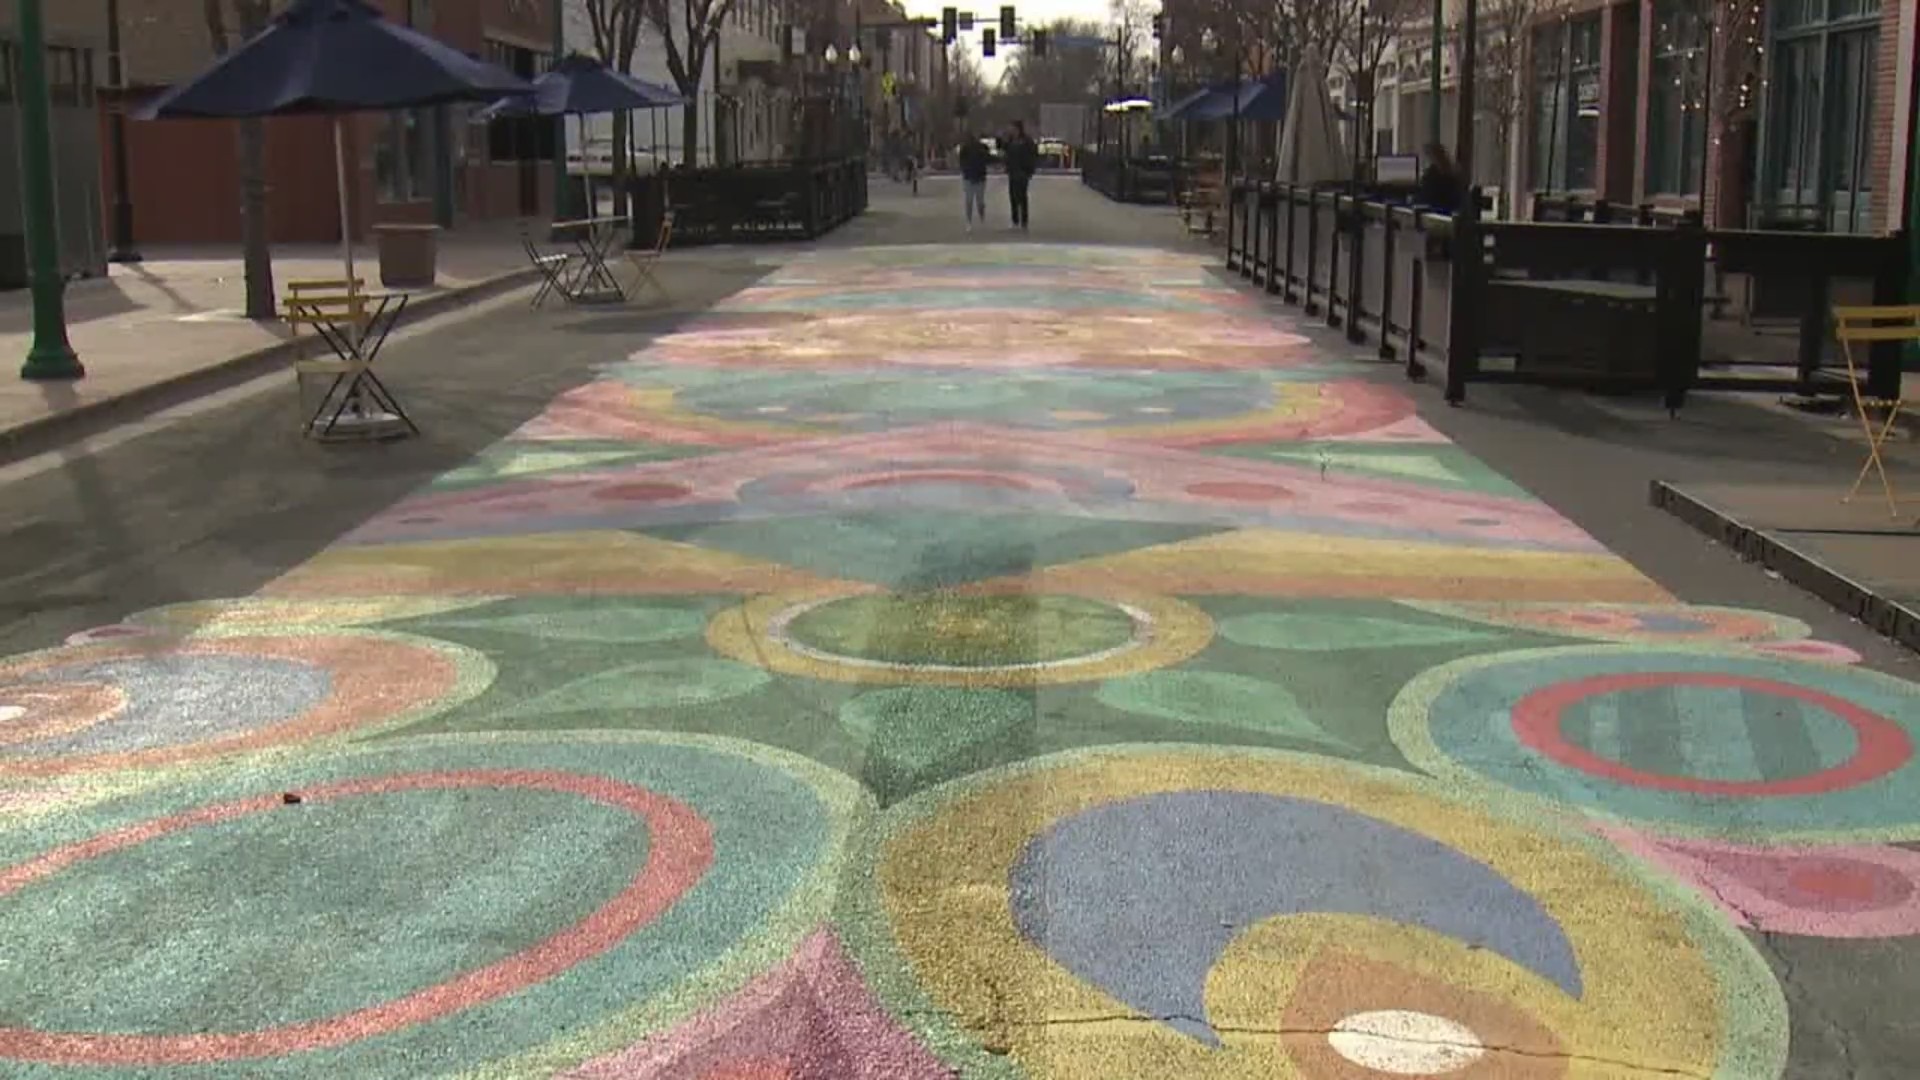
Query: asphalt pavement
[[926, 653]]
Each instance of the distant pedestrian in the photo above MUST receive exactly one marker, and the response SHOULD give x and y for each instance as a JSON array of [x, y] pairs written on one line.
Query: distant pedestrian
[[1023, 160], [973, 177], [1440, 184]]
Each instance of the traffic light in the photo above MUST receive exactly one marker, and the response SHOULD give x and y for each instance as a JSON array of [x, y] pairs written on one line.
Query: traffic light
[[1159, 25], [949, 25], [966, 22], [986, 42], [1008, 31], [1037, 41]]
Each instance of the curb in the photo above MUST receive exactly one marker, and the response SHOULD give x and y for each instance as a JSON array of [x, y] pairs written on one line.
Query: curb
[[51, 432], [1889, 618]]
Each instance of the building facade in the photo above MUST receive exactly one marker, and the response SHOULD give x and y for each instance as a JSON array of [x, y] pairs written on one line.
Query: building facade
[[741, 103], [1759, 113], [440, 165], [76, 37]]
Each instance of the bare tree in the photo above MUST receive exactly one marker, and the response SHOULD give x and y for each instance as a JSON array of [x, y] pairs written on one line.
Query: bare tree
[[251, 17], [1071, 72], [1132, 37], [1501, 78], [688, 28], [616, 28], [1370, 33], [966, 91]]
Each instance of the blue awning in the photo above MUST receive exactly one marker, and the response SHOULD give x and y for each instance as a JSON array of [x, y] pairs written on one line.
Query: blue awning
[[1263, 100]]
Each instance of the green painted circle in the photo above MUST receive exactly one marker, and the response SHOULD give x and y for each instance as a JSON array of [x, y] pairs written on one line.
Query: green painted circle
[[962, 631], [255, 909]]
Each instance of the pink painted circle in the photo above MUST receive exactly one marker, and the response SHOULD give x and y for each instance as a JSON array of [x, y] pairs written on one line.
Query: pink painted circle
[[642, 491], [680, 850], [1239, 491], [1808, 890]]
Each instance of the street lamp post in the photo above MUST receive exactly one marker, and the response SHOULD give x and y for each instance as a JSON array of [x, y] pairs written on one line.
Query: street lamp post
[[51, 356], [123, 247], [560, 185]]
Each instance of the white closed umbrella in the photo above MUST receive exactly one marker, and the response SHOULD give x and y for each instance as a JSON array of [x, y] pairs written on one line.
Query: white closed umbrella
[[1312, 146]]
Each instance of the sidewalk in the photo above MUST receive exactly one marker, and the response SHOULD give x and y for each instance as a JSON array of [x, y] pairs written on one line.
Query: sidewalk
[[173, 324], [1855, 555]]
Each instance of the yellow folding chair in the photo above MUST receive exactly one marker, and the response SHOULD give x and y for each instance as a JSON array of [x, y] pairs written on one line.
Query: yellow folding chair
[[647, 260], [1871, 324]]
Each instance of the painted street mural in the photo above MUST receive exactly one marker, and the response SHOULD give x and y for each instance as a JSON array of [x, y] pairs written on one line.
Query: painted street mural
[[1000, 661]]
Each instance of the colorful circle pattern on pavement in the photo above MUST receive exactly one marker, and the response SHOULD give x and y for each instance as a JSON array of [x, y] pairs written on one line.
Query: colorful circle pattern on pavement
[[1204, 899], [579, 891], [993, 645], [1807, 890], [132, 701], [1644, 624], [1693, 740]]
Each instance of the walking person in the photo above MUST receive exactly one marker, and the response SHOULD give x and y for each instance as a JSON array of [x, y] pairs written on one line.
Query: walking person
[[1023, 160], [973, 177]]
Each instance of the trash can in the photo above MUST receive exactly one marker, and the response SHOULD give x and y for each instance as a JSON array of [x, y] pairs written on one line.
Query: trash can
[[408, 255]]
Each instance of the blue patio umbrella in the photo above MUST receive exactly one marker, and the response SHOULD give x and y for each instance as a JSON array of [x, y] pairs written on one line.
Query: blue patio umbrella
[[333, 57], [582, 86]]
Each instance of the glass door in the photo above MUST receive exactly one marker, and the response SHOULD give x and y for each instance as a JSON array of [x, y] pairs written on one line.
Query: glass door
[[1848, 181]]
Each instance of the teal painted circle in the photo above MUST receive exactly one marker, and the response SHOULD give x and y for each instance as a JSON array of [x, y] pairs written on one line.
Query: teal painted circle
[[283, 916], [246, 902], [1457, 722]]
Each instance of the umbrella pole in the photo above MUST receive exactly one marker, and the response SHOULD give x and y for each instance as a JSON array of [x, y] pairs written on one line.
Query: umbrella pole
[[340, 180]]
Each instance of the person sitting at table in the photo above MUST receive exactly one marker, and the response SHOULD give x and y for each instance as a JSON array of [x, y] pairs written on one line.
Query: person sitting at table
[[1440, 185]]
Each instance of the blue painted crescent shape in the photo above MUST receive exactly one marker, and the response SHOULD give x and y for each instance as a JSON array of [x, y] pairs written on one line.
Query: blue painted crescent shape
[[1140, 897]]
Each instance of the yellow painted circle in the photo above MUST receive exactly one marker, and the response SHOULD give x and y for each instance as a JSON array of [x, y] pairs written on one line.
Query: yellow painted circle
[[1665, 983]]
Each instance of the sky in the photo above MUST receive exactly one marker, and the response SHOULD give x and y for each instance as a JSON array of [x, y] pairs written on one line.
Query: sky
[[1029, 12]]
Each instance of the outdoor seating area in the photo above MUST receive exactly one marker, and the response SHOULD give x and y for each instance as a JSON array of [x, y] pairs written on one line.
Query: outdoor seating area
[[1618, 305], [747, 203]]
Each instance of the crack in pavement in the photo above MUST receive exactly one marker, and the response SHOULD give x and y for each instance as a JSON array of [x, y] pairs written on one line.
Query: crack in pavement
[[1516, 1051]]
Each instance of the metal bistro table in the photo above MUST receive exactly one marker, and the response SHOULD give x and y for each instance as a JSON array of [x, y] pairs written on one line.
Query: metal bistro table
[[594, 238]]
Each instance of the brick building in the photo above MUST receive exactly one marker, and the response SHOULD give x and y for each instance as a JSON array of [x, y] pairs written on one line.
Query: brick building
[[76, 38], [422, 165], [1800, 113]]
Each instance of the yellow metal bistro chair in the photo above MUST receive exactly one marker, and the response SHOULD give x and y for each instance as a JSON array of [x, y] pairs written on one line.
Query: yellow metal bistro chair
[[1867, 325]]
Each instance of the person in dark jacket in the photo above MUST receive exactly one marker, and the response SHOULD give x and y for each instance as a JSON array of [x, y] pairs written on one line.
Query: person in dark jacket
[[973, 177], [1440, 186], [1023, 160]]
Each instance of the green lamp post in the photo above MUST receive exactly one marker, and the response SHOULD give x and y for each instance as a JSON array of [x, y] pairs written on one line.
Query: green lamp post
[[51, 357]]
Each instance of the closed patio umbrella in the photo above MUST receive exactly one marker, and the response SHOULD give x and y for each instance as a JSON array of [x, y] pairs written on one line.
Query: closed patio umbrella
[[582, 86], [1311, 146], [333, 57]]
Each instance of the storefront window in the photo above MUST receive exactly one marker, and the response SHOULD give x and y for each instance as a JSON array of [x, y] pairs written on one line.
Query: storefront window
[[403, 157], [1819, 105], [1566, 104], [1677, 97]]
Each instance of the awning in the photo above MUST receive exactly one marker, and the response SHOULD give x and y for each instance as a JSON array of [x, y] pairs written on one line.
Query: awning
[[1177, 110], [1262, 100]]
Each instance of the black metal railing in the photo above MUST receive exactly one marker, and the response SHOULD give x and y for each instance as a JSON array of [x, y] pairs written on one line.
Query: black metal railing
[[793, 200], [1613, 303]]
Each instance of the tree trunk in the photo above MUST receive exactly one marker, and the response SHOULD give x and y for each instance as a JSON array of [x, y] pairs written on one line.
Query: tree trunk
[[690, 128], [257, 255], [621, 157]]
